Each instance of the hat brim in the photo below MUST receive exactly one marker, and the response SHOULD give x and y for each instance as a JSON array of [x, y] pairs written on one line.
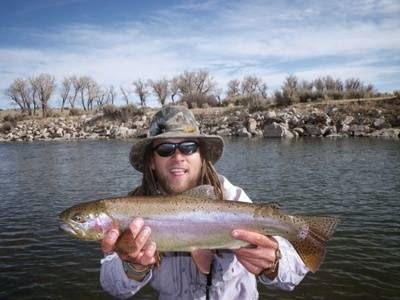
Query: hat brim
[[212, 147]]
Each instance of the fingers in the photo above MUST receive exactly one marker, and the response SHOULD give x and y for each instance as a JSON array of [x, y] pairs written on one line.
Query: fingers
[[144, 257], [251, 267], [258, 252], [254, 238], [138, 248], [109, 240], [258, 258]]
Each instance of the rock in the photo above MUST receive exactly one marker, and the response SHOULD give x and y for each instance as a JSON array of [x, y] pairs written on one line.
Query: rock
[[360, 130], [271, 114], [299, 131], [318, 118], [331, 110], [243, 132], [381, 124], [345, 129], [251, 125], [258, 132], [313, 130], [277, 130], [224, 132], [348, 120], [294, 121], [387, 133], [59, 132]]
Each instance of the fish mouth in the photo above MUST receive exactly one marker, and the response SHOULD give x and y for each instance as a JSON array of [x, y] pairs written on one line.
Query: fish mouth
[[68, 229]]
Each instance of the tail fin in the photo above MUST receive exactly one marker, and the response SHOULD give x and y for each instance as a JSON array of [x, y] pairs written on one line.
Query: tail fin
[[311, 248]]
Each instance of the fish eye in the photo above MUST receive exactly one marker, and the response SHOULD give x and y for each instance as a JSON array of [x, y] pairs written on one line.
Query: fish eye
[[78, 218]]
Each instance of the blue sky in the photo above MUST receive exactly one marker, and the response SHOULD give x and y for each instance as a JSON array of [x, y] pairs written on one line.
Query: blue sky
[[116, 42]]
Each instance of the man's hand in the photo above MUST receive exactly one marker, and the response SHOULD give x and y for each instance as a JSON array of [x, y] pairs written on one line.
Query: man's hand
[[142, 250], [260, 256]]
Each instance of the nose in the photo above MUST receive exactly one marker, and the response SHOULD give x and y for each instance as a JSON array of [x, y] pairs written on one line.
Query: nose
[[178, 155]]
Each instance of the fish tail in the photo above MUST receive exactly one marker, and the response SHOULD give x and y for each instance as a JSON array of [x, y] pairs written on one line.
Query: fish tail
[[310, 244]]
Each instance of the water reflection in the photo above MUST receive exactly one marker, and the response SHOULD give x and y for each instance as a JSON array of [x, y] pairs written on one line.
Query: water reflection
[[356, 179]]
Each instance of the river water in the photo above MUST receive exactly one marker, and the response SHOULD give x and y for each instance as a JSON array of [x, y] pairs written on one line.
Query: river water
[[357, 180]]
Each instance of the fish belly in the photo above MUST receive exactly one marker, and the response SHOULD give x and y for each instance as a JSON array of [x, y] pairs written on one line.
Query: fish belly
[[187, 232]]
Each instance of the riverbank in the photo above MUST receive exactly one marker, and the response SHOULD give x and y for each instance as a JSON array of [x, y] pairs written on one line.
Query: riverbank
[[328, 119]]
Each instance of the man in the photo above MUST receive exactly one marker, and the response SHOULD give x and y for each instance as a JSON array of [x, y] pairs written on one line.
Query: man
[[174, 158]]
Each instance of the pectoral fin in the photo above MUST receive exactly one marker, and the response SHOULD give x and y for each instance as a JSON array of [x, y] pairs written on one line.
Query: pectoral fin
[[202, 258]]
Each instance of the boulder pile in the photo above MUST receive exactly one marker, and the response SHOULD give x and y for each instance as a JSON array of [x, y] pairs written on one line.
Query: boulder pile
[[282, 123]]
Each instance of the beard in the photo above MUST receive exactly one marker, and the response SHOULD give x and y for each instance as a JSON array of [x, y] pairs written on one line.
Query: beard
[[173, 188]]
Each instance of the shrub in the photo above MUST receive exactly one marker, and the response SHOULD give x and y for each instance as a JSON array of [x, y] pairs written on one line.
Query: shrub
[[129, 111], [6, 127], [75, 112], [197, 100], [282, 99], [259, 105], [53, 113], [111, 111], [123, 113], [14, 118]]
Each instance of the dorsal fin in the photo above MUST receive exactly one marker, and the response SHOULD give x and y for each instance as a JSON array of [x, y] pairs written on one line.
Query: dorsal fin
[[201, 191], [275, 205]]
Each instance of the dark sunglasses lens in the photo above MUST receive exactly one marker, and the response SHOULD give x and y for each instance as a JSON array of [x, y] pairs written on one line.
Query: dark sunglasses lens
[[188, 147], [165, 150]]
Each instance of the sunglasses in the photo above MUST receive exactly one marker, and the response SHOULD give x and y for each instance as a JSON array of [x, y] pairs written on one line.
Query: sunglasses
[[168, 149]]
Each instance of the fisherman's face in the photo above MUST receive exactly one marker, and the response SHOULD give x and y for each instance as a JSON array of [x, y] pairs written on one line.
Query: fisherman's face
[[178, 172]]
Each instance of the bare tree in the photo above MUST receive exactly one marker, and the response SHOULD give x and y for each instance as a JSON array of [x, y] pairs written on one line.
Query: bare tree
[[102, 97], [250, 85], [195, 88], [65, 91], [174, 88], [290, 87], [92, 91], [197, 83], [125, 94], [34, 95], [233, 88], [19, 92], [141, 91], [44, 86], [77, 87], [262, 90], [84, 84], [112, 94], [160, 89]]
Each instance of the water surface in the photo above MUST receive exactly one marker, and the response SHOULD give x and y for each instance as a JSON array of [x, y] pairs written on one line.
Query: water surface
[[357, 180]]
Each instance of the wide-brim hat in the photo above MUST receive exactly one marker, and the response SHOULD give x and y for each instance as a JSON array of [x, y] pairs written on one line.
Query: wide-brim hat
[[175, 122]]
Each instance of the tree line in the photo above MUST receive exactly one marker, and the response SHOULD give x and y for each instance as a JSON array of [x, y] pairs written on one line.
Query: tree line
[[195, 88]]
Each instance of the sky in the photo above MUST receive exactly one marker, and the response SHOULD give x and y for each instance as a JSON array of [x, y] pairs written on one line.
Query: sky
[[117, 42]]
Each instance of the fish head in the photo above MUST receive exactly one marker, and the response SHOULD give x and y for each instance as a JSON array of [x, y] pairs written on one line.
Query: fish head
[[86, 222]]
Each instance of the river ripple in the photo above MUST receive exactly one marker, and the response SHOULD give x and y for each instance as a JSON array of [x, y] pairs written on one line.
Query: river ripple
[[354, 179]]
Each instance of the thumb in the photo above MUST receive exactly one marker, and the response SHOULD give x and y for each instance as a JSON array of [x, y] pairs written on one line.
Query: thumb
[[109, 240]]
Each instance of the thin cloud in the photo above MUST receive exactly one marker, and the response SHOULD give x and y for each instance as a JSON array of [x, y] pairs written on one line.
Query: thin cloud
[[231, 39]]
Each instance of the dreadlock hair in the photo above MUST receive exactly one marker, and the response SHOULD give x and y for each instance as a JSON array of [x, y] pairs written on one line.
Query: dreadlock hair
[[149, 184]]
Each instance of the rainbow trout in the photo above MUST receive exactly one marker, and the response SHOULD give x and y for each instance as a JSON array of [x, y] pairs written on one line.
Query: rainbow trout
[[196, 220]]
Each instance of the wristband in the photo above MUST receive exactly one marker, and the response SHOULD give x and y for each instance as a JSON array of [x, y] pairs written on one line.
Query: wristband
[[134, 271]]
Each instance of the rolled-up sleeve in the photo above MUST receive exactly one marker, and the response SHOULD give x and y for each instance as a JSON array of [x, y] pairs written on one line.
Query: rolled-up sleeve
[[114, 280], [291, 269]]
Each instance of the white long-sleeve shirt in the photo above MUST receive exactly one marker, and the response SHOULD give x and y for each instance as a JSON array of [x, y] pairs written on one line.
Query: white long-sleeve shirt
[[178, 277]]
